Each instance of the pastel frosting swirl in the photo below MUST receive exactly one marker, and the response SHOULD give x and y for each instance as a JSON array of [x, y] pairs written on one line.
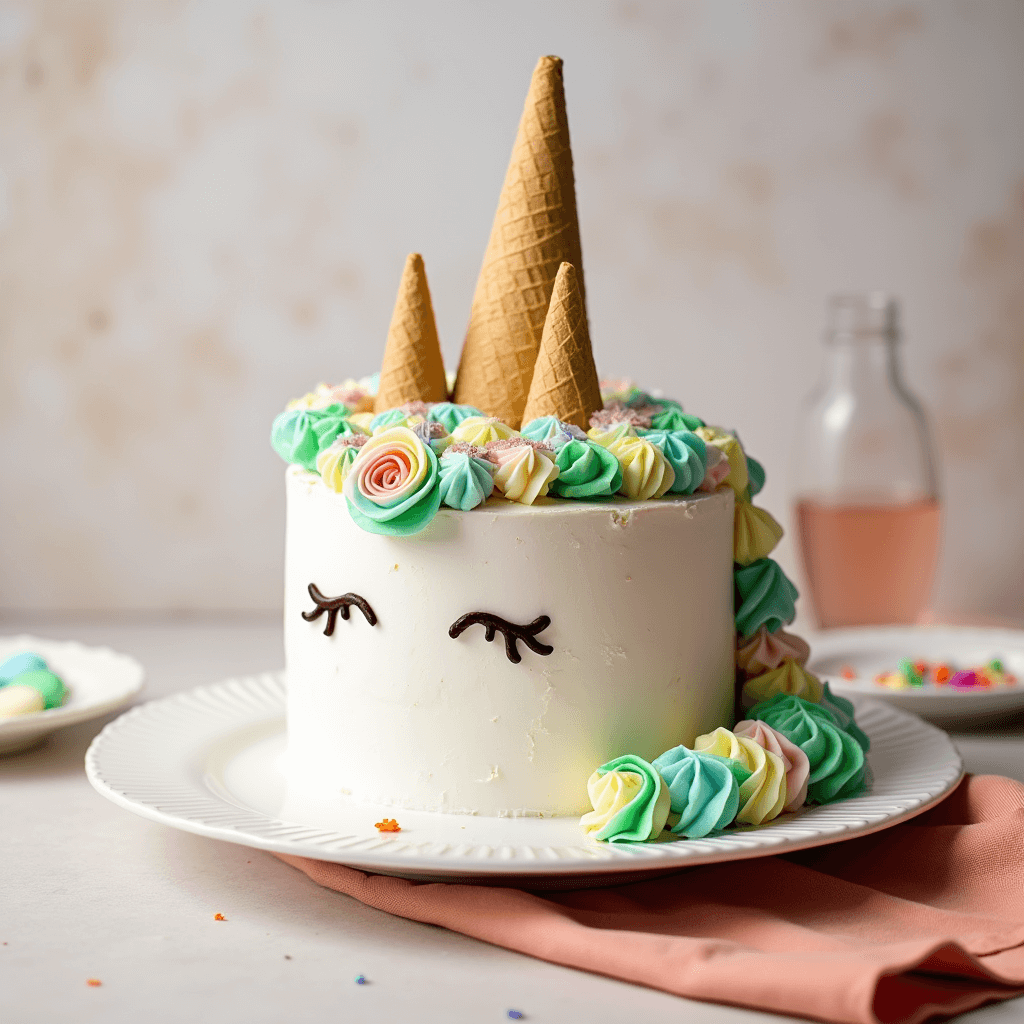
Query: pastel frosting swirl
[[392, 486], [389, 418], [608, 435], [798, 767], [729, 445], [466, 480], [704, 789], [630, 801], [450, 415], [298, 435], [755, 533], [646, 473], [836, 758], [482, 430], [716, 470], [790, 677], [333, 463], [842, 711], [525, 469], [755, 476], [673, 418], [764, 651], [551, 430], [763, 795], [586, 470], [766, 597], [686, 454]]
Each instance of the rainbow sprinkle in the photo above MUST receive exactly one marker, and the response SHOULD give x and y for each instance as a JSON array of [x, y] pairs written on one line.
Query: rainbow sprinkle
[[910, 674]]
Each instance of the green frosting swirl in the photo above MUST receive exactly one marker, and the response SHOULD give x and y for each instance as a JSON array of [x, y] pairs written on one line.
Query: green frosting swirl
[[838, 768], [465, 481], [704, 789], [755, 476], [406, 517], [297, 435], [687, 455], [765, 597], [637, 820], [388, 418], [842, 711], [672, 417], [450, 415], [586, 470]]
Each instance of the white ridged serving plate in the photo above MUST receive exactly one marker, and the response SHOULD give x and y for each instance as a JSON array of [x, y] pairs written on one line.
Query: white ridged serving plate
[[209, 761]]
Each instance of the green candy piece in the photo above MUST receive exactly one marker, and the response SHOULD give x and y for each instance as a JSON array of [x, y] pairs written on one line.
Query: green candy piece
[[838, 768], [586, 470], [906, 668], [765, 596], [18, 663], [52, 689], [755, 476]]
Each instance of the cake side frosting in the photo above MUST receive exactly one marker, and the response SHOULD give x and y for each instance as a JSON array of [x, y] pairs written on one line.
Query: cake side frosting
[[639, 598]]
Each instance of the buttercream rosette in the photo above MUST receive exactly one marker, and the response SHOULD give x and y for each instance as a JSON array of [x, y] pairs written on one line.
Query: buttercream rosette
[[466, 476], [704, 789], [299, 435], [482, 430], [552, 431], [630, 801], [765, 597], [836, 758], [755, 533], [798, 767], [729, 445], [646, 473], [842, 712], [389, 418], [333, 463], [672, 418], [686, 454], [586, 470], [755, 476], [763, 795], [790, 677], [392, 486], [450, 415], [764, 651], [526, 469]]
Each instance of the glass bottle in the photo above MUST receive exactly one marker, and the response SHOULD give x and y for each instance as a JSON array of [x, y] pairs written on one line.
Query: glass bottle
[[865, 484]]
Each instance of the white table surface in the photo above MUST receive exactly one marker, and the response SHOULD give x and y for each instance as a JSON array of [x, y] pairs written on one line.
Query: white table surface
[[88, 890]]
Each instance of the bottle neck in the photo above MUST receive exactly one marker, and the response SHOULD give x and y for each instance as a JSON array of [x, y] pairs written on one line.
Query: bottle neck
[[861, 364]]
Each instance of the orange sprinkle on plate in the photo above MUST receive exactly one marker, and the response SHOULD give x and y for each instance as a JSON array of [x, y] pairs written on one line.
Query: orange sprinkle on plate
[[93, 982], [847, 672], [219, 917], [387, 825]]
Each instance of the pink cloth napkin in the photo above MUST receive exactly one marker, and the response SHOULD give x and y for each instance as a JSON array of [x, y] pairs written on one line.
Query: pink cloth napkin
[[922, 919]]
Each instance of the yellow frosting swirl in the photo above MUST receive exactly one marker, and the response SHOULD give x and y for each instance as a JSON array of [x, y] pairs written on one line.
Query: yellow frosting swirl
[[612, 791], [763, 795], [334, 463], [524, 472], [605, 436], [755, 532], [790, 678], [646, 473], [738, 478], [480, 430], [362, 420]]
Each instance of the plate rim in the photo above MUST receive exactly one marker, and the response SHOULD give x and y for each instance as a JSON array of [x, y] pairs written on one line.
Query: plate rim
[[51, 719], [296, 839]]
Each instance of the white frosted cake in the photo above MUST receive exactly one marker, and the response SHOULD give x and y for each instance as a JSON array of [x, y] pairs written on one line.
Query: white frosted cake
[[524, 591]]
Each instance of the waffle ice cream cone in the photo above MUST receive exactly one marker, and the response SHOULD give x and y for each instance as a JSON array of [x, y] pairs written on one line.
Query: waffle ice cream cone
[[565, 382], [535, 230], [412, 369]]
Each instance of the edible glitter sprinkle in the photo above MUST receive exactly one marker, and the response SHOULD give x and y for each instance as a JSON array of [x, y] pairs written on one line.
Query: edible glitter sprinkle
[[351, 441], [616, 412], [473, 450], [360, 979], [415, 408], [387, 825], [518, 442]]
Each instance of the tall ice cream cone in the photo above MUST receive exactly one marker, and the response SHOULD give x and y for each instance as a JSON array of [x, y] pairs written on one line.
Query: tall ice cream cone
[[565, 382], [535, 230], [412, 369]]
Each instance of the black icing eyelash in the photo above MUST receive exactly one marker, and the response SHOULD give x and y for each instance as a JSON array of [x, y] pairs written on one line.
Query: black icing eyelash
[[510, 630], [333, 605]]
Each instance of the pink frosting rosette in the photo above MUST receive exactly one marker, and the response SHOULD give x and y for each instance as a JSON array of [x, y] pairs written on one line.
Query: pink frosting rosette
[[718, 469], [392, 486], [796, 762], [525, 470], [765, 651]]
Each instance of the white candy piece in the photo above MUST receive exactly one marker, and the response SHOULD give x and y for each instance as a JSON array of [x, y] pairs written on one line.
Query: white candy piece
[[19, 700]]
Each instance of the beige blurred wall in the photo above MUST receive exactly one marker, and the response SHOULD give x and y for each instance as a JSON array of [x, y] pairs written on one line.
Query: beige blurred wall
[[205, 207]]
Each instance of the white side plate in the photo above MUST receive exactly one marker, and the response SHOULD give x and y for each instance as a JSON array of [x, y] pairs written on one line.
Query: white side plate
[[98, 679], [209, 761], [871, 650]]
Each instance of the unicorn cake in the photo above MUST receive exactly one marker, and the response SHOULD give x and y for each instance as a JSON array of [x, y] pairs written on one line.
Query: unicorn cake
[[527, 591]]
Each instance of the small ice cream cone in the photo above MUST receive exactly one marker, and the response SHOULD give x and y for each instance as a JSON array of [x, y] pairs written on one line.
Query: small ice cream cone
[[412, 370], [535, 230], [565, 382]]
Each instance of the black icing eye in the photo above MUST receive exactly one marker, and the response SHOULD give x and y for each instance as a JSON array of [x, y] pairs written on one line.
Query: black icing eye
[[333, 605], [511, 631]]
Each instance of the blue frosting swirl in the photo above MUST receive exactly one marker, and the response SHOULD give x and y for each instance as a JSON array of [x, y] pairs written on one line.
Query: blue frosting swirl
[[704, 789], [450, 415], [465, 480], [686, 454], [551, 430]]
